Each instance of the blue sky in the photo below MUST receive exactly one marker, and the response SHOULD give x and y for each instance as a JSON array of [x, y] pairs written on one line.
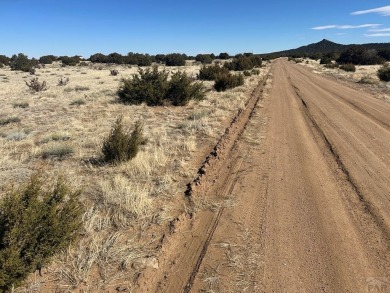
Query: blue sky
[[85, 27]]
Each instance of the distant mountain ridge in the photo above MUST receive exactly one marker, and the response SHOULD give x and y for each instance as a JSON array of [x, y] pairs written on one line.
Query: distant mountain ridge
[[326, 46]]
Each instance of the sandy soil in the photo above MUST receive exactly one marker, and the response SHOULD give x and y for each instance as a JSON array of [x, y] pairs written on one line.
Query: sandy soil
[[302, 196]]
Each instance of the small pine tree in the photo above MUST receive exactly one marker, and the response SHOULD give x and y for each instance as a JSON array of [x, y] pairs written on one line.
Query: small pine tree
[[121, 145], [181, 90]]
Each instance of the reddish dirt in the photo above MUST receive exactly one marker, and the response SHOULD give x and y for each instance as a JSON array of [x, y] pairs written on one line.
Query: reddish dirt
[[310, 182]]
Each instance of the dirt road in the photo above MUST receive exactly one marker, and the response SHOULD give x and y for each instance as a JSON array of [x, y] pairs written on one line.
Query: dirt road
[[302, 197]]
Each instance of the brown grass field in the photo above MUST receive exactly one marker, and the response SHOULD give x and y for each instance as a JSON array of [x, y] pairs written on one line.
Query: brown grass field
[[127, 207]]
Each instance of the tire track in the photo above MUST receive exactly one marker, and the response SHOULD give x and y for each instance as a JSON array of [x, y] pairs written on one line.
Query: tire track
[[341, 98], [216, 178], [367, 206]]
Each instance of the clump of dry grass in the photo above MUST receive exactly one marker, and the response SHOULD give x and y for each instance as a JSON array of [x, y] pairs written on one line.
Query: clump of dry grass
[[58, 151], [21, 105], [130, 198], [8, 120], [78, 102], [368, 80]]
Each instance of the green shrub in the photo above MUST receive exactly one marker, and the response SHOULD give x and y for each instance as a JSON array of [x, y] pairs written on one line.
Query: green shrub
[[114, 72], [181, 90], [36, 86], [20, 62], [143, 60], [121, 145], [385, 54], [48, 59], [384, 73], [70, 61], [153, 88], [159, 58], [149, 86], [228, 81], [98, 58], [243, 62], [255, 72], [348, 67], [4, 60], [325, 60], [223, 56], [35, 223], [247, 73], [211, 72], [359, 55], [130, 58], [204, 58], [175, 59]]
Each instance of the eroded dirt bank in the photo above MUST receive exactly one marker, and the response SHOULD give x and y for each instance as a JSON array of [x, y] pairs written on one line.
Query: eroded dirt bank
[[304, 197]]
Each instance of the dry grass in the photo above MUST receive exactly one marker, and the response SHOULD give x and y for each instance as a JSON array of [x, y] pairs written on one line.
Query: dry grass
[[242, 260], [126, 205], [364, 73], [365, 76]]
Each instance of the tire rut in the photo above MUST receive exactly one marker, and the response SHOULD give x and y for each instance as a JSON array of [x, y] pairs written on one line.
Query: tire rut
[[215, 179], [366, 204], [341, 98]]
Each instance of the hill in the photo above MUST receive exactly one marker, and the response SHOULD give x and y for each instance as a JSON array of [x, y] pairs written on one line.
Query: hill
[[326, 46]]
